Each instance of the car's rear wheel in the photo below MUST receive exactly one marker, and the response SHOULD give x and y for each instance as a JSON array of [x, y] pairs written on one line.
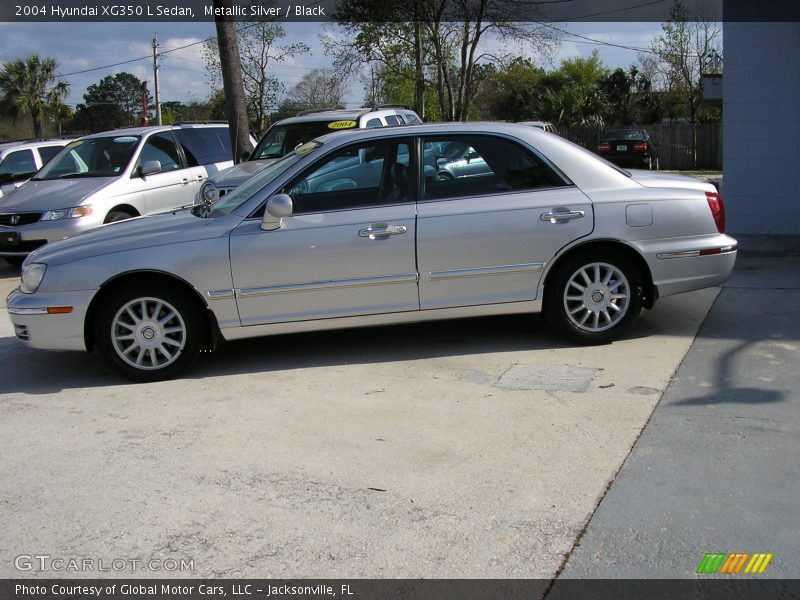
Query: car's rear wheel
[[594, 299], [149, 333]]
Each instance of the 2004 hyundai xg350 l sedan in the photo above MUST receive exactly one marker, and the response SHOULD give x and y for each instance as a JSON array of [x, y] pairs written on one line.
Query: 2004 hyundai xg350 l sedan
[[360, 229]]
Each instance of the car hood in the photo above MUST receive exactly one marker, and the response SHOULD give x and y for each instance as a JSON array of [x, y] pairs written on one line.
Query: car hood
[[131, 234], [52, 194], [669, 180], [238, 174]]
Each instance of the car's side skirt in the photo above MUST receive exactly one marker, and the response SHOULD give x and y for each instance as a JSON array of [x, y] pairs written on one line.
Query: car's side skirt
[[413, 316]]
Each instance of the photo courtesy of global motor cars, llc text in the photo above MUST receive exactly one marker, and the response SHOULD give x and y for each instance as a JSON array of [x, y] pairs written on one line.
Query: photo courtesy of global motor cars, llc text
[[57, 12]]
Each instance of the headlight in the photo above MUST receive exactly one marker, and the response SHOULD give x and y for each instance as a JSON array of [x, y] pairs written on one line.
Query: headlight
[[67, 213], [32, 275], [209, 193]]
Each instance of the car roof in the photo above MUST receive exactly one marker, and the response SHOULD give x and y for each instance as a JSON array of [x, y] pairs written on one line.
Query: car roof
[[535, 123], [34, 143], [349, 114], [472, 127], [149, 129]]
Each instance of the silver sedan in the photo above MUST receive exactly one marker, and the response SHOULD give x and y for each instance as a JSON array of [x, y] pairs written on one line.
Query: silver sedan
[[359, 229]]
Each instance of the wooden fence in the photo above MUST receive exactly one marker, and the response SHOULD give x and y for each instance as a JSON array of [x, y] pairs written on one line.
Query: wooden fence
[[674, 144]]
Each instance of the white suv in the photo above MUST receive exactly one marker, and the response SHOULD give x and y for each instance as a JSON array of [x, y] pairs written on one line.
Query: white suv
[[111, 176], [20, 160], [285, 135]]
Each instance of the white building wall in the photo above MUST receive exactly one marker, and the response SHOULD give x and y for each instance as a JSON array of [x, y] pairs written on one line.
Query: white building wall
[[761, 123]]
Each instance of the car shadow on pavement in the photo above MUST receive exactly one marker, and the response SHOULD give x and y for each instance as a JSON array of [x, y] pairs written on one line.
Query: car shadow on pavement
[[40, 372]]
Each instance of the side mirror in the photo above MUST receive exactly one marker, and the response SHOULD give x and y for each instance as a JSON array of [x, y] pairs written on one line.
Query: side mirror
[[279, 206], [149, 167], [245, 155]]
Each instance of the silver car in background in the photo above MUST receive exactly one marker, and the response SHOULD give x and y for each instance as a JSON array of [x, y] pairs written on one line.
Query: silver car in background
[[357, 229]]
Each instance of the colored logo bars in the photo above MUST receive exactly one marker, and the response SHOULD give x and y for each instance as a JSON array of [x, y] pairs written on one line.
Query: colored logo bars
[[733, 563]]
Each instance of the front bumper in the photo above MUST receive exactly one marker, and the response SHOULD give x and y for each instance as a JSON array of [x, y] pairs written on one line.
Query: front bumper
[[34, 326]]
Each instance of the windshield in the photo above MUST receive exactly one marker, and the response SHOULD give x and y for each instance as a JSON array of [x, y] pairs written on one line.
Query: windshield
[[93, 157], [232, 200], [282, 139]]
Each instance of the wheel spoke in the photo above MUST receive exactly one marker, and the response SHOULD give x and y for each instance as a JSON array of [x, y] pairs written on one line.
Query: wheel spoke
[[140, 356], [153, 357], [156, 310], [165, 352], [172, 342], [577, 285], [169, 316], [134, 319], [586, 317], [585, 276], [596, 274], [174, 329]]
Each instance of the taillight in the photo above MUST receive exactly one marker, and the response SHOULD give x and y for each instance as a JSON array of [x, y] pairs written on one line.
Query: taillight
[[641, 147], [717, 210], [604, 147]]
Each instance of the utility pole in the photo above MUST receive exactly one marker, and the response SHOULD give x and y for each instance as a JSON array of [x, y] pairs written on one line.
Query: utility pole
[[231, 65], [155, 77]]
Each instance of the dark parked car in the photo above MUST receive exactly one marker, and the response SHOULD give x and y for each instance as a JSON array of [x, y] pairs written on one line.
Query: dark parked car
[[629, 148]]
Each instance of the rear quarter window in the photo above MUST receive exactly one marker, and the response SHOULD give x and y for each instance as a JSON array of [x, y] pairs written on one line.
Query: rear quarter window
[[48, 152]]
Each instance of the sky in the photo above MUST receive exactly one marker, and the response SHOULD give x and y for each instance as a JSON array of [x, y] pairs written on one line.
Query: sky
[[182, 76]]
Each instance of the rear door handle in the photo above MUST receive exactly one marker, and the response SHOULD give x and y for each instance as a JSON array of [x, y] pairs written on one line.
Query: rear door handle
[[382, 230], [556, 215]]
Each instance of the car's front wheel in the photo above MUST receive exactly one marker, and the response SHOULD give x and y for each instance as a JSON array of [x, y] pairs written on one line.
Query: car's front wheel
[[594, 299], [149, 333]]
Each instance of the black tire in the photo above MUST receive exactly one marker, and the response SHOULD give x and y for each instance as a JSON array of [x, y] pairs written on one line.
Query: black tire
[[444, 176], [15, 261], [573, 314], [157, 349], [117, 215]]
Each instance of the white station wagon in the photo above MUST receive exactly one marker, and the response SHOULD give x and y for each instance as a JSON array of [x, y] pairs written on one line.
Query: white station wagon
[[359, 228]]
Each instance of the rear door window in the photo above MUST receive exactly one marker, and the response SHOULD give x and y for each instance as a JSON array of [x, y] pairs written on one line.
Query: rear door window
[[204, 145], [461, 166]]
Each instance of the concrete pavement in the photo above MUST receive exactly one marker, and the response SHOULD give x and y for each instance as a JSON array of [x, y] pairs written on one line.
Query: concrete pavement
[[716, 468], [417, 451]]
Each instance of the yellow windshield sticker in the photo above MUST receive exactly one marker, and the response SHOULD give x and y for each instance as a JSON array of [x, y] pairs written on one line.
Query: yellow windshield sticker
[[342, 125]]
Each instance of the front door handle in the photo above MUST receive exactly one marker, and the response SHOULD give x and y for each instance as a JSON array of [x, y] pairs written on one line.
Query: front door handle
[[558, 215], [382, 230]]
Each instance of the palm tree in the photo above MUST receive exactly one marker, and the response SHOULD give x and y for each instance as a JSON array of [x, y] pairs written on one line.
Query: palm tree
[[30, 86]]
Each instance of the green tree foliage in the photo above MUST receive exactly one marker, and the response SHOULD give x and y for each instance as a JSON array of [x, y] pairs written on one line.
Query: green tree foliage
[[31, 87], [438, 42], [512, 93], [115, 101], [686, 45], [630, 97]]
